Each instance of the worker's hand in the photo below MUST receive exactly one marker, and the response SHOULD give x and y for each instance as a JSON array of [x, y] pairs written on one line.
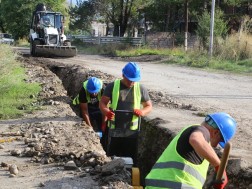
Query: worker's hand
[[103, 127], [223, 182], [110, 115], [138, 112]]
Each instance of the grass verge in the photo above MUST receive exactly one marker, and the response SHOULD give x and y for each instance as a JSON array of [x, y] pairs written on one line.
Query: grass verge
[[16, 95], [191, 58]]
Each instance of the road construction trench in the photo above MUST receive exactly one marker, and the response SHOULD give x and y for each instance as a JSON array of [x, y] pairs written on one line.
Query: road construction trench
[[148, 151], [153, 137]]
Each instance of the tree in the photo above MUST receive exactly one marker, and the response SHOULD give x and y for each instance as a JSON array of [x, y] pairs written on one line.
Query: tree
[[16, 15], [203, 31], [121, 13], [2, 25], [82, 15], [169, 15]]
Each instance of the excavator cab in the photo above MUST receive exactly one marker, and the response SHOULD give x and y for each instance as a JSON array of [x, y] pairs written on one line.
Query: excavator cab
[[45, 20], [47, 36]]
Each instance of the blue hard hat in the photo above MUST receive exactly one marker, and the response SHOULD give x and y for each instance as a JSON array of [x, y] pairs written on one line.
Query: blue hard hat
[[94, 85], [132, 71], [226, 125]]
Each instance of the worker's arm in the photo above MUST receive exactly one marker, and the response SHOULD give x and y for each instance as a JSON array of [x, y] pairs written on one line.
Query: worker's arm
[[84, 113], [103, 105], [147, 107], [203, 148]]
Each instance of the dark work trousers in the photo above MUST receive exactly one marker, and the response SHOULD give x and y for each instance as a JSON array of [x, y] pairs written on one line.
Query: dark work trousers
[[124, 147]]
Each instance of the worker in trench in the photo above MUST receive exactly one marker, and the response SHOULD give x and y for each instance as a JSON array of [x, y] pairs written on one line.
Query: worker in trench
[[184, 163], [88, 101], [124, 102]]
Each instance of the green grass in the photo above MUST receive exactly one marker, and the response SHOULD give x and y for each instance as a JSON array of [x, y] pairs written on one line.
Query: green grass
[[133, 51], [192, 59], [16, 95], [196, 58], [234, 54]]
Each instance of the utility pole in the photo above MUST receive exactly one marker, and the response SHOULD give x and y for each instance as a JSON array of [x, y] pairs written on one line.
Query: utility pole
[[145, 29], [211, 29], [186, 24]]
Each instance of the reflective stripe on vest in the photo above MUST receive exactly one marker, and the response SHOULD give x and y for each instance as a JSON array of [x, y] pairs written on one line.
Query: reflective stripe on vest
[[180, 166], [137, 102], [166, 184], [172, 169], [76, 100]]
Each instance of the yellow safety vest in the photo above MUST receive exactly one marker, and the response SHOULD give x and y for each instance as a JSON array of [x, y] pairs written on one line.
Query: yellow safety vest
[[137, 103], [76, 100], [173, 171]]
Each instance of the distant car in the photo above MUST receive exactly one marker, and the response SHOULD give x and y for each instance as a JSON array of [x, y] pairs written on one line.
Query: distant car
[[6, 38]]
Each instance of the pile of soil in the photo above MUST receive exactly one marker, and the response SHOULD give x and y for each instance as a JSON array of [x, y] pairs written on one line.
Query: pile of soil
[[52, 147]]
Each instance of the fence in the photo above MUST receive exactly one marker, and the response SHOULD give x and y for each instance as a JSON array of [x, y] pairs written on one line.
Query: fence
[[135, 41], [157, 39]]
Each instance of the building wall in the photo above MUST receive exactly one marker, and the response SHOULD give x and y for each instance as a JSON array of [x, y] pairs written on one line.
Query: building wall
[[99, 29]]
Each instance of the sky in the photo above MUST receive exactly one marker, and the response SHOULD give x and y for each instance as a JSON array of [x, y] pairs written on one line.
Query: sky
[[73, 1]]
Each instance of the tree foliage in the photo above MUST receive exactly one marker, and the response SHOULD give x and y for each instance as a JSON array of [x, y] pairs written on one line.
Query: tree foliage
[[169, 15], [235, 2], [16, 15], [125, 15], [82, 15], [121, 13], [203, 31]]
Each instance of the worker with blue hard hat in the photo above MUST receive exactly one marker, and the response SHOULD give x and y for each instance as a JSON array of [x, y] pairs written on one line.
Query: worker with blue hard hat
[[88, 100], [132, 72], [123, 95], [184, 163]]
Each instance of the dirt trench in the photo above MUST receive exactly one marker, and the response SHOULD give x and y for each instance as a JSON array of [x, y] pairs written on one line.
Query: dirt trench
[[151, 129], [72, 78], [153, 137]]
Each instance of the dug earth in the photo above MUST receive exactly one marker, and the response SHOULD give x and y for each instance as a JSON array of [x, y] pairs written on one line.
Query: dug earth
[[52, 148]]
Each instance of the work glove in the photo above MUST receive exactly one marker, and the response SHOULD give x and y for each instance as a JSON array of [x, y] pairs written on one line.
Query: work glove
[[220, 184], [103, 127], [110, 115], [138, 112]]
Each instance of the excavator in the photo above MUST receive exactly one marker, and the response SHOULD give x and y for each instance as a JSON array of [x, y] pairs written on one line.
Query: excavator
[[47, 38]]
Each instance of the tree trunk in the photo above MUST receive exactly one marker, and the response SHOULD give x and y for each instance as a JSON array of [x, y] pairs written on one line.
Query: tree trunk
[[116, 30], [250, 9], [167, 19]]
